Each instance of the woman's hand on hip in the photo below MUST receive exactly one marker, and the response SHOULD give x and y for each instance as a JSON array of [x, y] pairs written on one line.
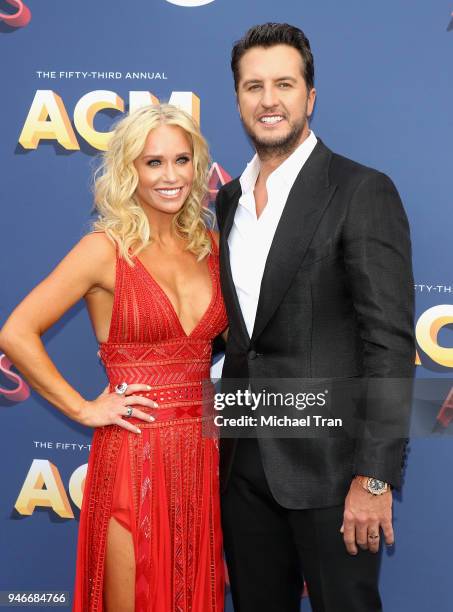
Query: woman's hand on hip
[[114, 408]]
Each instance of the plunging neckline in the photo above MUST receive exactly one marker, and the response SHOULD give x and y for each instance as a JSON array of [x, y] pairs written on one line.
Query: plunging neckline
[[166, 298]]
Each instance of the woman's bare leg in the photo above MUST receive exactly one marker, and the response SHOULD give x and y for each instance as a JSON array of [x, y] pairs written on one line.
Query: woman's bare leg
[[119, 574]]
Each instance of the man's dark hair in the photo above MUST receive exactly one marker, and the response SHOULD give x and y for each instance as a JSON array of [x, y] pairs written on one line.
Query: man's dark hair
[[269, 35]]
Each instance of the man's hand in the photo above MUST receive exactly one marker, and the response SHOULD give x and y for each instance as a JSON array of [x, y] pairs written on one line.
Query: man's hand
[[364, 516]]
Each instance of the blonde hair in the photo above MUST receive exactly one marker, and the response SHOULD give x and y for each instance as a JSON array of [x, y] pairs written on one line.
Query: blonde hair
[[121, 216]]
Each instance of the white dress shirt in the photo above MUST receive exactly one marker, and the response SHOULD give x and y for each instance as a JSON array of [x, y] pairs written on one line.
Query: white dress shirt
[[250, 238]]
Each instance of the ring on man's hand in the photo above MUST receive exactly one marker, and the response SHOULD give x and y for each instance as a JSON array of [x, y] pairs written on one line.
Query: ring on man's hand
[[372, 536], [129, 412], [121, 389]]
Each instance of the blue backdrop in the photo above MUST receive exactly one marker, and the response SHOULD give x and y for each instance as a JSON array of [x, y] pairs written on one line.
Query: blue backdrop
[[383, 75]]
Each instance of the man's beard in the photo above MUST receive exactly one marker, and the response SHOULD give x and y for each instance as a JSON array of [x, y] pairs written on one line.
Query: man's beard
[[280, 147]]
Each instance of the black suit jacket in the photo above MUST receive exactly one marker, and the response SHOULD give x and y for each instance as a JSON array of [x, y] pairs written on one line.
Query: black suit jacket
[[336, 302]]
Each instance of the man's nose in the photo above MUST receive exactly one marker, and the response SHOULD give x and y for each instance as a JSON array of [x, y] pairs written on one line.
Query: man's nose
[[269, 97]]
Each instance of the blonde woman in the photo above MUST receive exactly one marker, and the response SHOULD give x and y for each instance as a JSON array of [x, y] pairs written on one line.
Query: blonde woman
[[149, 536]]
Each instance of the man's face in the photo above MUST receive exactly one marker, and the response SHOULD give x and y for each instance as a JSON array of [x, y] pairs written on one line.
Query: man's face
[[273, 99]]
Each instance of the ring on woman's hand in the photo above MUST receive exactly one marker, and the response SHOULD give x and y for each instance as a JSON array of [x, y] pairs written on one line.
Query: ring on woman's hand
[[129, 412], [372, 536], [121, 389]]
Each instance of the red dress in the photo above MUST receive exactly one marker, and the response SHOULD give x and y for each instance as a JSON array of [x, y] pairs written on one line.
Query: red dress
[[161, 484]]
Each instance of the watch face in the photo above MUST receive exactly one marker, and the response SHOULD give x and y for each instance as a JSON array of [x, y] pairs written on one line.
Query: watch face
[[376, 486]]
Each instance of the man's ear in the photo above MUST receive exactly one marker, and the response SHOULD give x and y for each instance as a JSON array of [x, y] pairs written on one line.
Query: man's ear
[[239, 108], [311, 102]]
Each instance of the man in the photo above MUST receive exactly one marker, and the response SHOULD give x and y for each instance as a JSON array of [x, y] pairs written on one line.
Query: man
[[316, 276]]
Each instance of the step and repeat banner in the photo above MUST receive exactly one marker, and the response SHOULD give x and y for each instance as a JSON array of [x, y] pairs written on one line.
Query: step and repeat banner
[[68, 70]]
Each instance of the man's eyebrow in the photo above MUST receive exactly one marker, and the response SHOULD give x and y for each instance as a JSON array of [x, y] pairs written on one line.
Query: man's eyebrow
[[282, 78], [250, 81], [286, 78]]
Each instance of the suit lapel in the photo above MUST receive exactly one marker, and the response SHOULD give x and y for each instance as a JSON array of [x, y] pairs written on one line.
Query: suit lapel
[[226, 277], [307, 201]]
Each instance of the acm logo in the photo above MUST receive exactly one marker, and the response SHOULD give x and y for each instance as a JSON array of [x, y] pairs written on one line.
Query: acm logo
[[20, 18]]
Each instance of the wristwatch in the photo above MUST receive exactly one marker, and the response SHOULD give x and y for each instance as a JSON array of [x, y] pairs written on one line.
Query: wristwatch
[[373, 485]]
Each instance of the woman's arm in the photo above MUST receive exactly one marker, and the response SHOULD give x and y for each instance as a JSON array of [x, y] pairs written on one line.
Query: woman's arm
[[90, 264]]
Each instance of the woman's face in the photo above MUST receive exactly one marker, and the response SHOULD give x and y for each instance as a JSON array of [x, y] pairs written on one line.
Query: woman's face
[[165, 169]]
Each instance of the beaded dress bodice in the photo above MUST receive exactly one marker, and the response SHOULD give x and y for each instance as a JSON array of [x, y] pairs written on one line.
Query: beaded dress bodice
[[147, 343]]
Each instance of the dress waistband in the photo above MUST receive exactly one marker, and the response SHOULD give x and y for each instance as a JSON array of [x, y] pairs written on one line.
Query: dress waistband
[[177, 401]]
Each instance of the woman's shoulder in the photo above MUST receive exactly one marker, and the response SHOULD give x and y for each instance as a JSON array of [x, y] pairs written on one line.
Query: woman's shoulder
[[99, 246]]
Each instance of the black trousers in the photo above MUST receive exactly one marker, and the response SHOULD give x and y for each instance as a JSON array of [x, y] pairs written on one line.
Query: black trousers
[[271, 550]]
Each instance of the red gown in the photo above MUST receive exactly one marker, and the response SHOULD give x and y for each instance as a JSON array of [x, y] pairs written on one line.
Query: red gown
[[161, 484]]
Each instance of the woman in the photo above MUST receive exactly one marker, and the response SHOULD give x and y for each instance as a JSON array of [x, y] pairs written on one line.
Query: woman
[[149, 536]]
